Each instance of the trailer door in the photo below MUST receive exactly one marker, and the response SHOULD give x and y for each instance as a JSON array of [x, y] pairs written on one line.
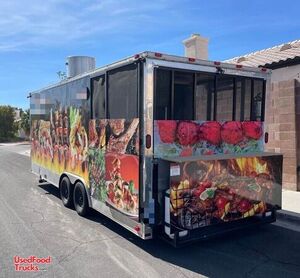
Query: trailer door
[[114, 144]]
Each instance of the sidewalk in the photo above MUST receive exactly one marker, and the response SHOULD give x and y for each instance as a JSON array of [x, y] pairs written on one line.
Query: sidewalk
[[291, 201], [15, 143]]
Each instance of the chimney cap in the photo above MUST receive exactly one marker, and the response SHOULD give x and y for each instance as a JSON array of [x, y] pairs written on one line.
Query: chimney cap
[[193, 37], [196, 47]]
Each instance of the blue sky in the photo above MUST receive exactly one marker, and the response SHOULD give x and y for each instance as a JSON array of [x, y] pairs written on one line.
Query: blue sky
[[36, 36]]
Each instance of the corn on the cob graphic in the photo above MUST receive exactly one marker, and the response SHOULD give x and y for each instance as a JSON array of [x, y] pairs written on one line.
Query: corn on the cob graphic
[[261, 206]]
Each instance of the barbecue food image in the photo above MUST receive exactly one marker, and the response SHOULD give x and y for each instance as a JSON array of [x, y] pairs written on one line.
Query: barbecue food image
[[120, 136], [230, 190], [117, 126], [78, 137], [122, 192], [97, 133], [61, 144], [45, 140]]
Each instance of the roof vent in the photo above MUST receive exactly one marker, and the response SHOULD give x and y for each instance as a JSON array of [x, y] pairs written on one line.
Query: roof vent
[[241, 59], [286, 47]]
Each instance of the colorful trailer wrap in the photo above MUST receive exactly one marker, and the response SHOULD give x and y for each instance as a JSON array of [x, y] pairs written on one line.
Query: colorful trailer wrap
[[160, 144]]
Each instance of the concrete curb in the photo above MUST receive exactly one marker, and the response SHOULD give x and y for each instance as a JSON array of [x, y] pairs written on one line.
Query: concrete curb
[[290, 216], [15, 144]]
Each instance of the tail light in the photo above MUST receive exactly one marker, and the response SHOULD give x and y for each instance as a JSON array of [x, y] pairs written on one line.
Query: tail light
[[238, 66], [192, 59], [148, 141], [216, 63], [156, 54], [266, 137]]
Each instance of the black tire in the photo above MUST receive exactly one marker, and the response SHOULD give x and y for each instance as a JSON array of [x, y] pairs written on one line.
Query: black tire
[[80, 199], [66, 192]]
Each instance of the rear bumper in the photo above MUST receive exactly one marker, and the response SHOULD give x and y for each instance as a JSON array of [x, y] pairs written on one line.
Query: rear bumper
[[208, 232]]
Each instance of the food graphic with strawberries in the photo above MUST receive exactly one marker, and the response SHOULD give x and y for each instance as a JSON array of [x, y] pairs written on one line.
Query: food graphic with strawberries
[[190, 138]]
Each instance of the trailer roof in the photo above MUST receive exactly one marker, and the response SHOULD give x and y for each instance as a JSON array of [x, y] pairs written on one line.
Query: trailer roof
[[162, 57]]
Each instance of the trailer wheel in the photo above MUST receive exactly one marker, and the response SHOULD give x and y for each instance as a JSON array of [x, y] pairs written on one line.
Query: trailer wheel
[[66, 192], [80, 199]]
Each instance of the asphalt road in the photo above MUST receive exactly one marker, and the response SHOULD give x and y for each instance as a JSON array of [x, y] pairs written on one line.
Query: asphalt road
[[34, 222]]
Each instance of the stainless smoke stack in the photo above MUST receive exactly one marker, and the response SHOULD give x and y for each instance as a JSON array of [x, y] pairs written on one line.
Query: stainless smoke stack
[[79, 64]]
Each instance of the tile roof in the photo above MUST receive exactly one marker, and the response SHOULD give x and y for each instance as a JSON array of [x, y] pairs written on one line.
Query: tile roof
[[270, 57]]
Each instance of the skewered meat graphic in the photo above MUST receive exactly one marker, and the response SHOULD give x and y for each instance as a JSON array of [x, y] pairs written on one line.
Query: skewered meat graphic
[[120, 192], [119, 144]]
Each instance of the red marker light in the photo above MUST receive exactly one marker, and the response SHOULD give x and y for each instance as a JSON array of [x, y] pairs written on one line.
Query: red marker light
[[137, 228], [192, 59], [217, 63], [238, 66], [263, 69], [159, 55], [136, 56]]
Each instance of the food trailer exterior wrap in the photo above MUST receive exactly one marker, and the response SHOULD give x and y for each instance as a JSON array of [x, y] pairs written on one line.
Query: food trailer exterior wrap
[[160, 144]]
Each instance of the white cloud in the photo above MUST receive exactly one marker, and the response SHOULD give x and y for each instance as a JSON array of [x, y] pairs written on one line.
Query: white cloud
[[32, 24]]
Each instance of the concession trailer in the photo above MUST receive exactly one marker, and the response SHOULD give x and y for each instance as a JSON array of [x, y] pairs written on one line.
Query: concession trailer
[[163, 145]]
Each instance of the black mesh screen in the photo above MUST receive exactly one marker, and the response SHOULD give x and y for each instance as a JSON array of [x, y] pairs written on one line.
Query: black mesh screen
[[123, 93], [98, 91]]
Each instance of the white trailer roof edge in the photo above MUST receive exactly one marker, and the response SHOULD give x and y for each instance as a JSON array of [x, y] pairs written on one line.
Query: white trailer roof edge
[[230, 68]]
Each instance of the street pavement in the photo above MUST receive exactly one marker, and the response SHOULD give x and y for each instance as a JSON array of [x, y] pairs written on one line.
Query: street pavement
[[33, 222]]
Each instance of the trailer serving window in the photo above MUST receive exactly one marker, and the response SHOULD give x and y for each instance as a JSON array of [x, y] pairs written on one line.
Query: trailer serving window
[[163, 90], [184, 95], [122, 95], [98, 97], [204, 100], [223, 108], [243, 99]]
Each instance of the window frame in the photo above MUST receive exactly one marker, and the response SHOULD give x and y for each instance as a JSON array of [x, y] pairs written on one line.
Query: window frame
[[92, 94], [107, 81], [106, 74], [213, 97]]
